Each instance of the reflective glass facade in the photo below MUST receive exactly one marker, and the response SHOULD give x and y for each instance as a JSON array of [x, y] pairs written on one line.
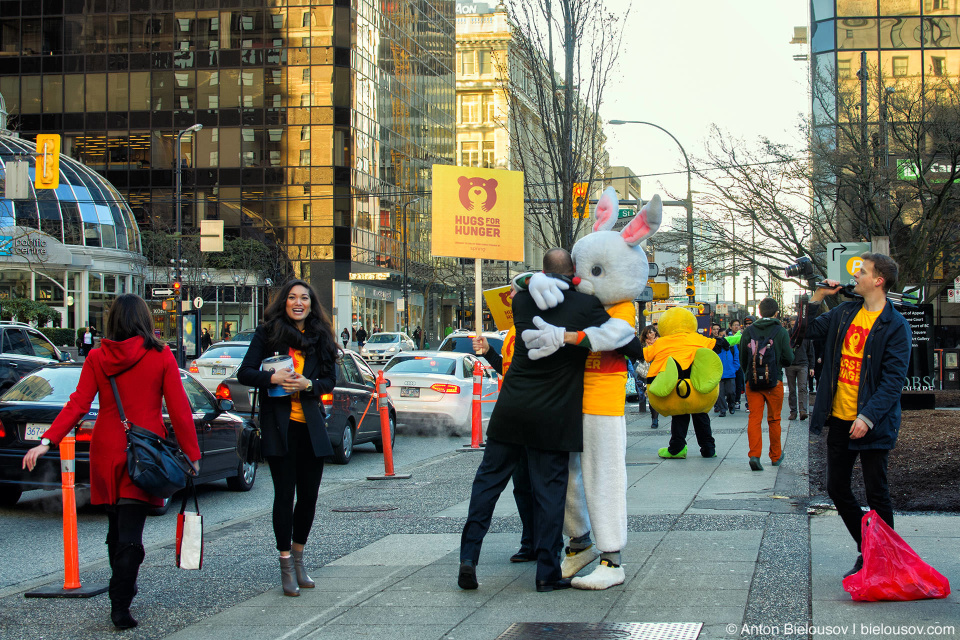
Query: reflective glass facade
[[320, 119]]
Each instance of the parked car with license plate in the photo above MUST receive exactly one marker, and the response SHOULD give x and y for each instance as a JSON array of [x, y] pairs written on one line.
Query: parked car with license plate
[[29, 407], [382, 346], [433, 390], [24, 349], [352, 415], [218, 362]]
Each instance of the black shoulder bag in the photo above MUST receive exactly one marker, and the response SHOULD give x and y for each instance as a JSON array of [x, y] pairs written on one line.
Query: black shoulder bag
[[155, 464], [248, 437]]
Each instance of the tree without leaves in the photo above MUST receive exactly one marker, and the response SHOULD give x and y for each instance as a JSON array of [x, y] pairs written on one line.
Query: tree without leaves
[[555, 133]]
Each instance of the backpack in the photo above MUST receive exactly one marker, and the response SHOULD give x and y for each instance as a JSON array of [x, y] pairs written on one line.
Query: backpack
[[763, 368]]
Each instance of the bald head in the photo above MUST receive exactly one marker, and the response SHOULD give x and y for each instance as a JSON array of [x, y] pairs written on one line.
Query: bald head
[[558, 261]]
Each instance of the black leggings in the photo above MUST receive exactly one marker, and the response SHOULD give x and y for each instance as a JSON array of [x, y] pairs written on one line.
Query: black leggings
[[297, 475], [125, 523]]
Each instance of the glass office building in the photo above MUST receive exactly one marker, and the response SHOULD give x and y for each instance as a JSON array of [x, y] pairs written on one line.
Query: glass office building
[[320, 121]]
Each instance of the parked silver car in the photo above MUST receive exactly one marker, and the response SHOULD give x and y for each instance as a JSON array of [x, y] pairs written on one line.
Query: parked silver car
[[382, 346]]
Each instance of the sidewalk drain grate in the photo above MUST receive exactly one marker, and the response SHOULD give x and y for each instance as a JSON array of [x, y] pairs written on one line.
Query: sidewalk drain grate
[[602, 631], [370, 508]]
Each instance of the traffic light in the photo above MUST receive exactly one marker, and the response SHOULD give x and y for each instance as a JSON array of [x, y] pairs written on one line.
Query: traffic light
[[691, 288], [176, 288], [580, 209], [703, 276], [48, 161]]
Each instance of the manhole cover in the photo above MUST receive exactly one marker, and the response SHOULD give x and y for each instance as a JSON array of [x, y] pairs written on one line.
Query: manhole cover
[[368, 508], [603, 631]]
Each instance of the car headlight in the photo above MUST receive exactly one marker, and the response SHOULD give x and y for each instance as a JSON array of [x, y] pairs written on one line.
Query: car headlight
[[392, 349]]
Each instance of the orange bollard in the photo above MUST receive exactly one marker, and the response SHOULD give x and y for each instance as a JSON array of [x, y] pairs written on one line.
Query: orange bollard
[[476, 437], [71, 547], [384, 408]]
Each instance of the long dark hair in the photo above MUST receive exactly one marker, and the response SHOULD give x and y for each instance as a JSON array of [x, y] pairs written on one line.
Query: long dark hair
[[647, 330], [317, 336], [129, 316]]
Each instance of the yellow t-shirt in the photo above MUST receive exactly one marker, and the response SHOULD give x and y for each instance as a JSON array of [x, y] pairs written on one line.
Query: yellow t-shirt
[[605, 375], [851, 357], [296, 410]]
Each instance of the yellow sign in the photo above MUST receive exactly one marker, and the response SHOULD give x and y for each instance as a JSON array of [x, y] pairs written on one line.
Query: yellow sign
[[498, 302], [580, 208], [48, 161], [854, 264], [477, 213], [661, 290]]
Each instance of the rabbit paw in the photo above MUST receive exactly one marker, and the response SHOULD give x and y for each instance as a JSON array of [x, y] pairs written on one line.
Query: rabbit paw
[[543, 341], [547, 292]]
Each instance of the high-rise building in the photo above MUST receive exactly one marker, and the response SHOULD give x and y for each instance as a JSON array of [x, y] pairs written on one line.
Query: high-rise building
[[320, 122]]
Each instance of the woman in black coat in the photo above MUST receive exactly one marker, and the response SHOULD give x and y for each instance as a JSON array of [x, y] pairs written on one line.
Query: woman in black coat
[[293, 427]]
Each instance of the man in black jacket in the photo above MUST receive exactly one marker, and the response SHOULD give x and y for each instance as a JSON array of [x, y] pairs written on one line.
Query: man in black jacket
[[798, 375], [539, 412], [865, 360]]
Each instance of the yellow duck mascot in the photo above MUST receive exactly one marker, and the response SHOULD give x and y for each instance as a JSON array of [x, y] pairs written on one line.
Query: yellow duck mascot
[[685, 371]]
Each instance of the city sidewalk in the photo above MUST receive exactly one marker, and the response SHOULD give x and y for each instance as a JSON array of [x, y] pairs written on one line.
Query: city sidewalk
[[729, 551]]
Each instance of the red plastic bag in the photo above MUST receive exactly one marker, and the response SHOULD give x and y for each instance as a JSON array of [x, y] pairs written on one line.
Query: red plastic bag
[[891, 569]]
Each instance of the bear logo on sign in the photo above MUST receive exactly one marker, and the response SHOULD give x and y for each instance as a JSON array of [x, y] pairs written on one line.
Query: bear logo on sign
[[477, 193]]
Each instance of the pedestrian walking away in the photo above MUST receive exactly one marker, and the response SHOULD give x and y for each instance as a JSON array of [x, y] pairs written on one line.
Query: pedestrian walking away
[[147, 376], [361, 337], [764, 352], [798, 375], [205, 340], [866, 350], [294, 435]]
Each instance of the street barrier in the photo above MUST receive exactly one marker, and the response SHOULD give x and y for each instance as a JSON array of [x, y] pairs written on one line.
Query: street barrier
[[476, 423], [384, 408], [72, 588]]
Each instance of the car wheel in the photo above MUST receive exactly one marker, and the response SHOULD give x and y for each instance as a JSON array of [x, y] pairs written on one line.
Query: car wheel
[[344, 451], [378, 443], [9, 495], [159, 511], [243, 481]]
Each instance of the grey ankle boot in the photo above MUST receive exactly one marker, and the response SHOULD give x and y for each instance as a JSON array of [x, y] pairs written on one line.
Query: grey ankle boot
[[305, 581], [288, 577]]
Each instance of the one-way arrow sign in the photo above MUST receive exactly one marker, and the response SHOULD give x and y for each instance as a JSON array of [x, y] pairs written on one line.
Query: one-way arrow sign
[[162, 293]]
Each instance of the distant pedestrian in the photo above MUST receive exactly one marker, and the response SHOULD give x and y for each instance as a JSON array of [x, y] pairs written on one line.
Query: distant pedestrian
[[417, 336], [648, 336], [730, 358], [734, 338], [205, 340], [361, 337], [345, 337], [867, 352], [764, 351], [225, 333], [799, 373], [85, 339]]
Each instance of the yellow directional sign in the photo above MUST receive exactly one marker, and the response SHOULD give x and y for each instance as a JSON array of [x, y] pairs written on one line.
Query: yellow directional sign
[[48, 161]]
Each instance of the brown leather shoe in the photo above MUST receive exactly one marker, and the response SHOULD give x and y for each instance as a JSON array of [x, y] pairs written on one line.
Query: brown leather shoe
[[803, 415], [793, 416]]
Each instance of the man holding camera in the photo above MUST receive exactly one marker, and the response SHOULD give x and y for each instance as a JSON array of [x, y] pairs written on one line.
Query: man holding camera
[[867, 351]]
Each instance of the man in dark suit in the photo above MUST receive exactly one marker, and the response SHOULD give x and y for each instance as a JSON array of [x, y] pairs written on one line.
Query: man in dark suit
[[539, 411]]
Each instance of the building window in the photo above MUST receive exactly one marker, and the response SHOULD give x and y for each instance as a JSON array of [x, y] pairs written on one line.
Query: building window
[[470, 154], [304, 133], [306, 212], [214, 158], [305, 157], [939, 65], [488, 154], [843, 68], [484, 62], [468, 65], [489, 108], [306, 19], [936, 5], [900, 66], [470, 108]]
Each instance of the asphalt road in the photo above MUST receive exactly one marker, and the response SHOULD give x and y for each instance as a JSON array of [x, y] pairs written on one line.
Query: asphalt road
[[31, 532]]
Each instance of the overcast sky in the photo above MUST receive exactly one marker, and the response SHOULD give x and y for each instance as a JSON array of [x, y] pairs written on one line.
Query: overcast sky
[[687, 64]]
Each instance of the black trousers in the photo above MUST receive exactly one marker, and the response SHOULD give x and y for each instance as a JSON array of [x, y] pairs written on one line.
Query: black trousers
[[500, 462], [125, 523], [549, 471], [840, 461], [701, 426], [296, 475]]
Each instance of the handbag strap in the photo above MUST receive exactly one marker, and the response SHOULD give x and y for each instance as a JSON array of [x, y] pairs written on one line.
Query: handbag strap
[[191, 491], [253, 403], [116, 396]]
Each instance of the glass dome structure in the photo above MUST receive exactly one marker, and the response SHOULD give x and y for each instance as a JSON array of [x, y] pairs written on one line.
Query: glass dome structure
[[85, 210]]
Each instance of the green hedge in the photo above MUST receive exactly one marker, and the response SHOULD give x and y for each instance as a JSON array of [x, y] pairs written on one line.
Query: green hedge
[[60, 337]]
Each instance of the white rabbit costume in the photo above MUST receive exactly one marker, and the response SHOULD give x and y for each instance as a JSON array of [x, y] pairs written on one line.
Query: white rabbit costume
[[613, 267]]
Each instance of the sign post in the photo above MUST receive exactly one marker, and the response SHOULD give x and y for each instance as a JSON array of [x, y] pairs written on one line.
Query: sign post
[[477, 213]]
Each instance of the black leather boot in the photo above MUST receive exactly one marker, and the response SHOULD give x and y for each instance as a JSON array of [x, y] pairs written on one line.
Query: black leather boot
[[127, 559]]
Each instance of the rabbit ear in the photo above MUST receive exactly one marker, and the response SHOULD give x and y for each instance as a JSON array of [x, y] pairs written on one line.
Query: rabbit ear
[[645, 224], [608, 207]]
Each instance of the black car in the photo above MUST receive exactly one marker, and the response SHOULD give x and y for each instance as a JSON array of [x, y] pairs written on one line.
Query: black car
[[29, 407], [352, 416], [24, 349]]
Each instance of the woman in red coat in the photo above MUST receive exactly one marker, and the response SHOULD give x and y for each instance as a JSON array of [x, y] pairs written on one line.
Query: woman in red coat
[[146, 374]]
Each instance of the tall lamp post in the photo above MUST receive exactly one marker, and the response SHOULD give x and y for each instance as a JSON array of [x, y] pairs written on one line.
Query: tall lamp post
[[688, 202], [179, 266], [406, 283]]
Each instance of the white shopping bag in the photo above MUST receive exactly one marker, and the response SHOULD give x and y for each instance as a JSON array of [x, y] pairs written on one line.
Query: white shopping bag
[[190, 534]]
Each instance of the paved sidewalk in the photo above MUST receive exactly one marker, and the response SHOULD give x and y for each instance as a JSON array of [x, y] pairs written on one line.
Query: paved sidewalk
[[711, 542]]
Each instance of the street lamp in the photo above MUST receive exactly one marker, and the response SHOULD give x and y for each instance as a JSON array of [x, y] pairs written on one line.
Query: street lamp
[[406, 285], [688, 202], [179, 265]]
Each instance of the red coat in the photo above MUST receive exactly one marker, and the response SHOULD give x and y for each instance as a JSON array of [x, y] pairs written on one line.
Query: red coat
[[145, 377]]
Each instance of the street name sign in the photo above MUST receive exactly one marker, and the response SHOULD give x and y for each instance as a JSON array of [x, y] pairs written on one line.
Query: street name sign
[[843, 260]]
